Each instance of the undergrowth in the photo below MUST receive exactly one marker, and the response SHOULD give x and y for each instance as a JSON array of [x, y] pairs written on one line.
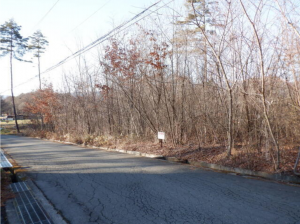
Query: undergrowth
[[242, 156]]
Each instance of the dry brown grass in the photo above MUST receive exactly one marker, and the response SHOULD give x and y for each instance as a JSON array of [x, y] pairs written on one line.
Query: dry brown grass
[[242, 156]]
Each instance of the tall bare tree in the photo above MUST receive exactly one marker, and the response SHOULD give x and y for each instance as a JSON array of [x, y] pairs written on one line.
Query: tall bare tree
[[38, 44], [13, 44]]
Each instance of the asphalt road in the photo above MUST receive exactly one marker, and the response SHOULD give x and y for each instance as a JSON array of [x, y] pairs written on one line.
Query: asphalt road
[[93, 186]]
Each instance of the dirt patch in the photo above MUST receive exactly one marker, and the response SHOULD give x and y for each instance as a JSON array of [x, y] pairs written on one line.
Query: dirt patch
[[6, 192]]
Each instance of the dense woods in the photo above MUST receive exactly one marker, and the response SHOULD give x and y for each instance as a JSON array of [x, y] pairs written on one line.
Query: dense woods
[[227, 73]]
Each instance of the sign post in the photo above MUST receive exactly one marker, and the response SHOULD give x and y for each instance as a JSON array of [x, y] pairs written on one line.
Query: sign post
[[161, 137]]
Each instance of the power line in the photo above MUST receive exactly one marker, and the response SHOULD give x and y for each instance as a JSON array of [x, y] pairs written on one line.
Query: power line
[[90, 16], [98, 41], [46, 14], [106, 36]]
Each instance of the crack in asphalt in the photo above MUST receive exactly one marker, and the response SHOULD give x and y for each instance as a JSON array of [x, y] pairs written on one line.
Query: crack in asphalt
[[91, 186]]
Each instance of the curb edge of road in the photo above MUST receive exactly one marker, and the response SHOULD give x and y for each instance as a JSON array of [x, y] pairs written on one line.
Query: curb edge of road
[[216, 167], [53, 213], [243, 172]]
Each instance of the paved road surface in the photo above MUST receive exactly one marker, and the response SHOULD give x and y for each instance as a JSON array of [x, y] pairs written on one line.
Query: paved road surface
[[92, 186]]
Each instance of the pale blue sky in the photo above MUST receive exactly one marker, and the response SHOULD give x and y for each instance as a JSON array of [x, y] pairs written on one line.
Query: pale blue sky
[[58, 26]]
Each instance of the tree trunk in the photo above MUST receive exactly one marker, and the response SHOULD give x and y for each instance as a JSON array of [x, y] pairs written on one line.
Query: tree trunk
[[263, 95], [230, 128], [12, 93], [40, 81]]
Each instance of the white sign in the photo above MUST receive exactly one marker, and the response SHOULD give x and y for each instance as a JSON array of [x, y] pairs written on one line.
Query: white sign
[[161, 135]]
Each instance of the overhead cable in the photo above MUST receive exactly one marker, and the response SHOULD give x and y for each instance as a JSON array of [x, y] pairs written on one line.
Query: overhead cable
[[46, 14], [106, 36], [116, 30], [90, 16]]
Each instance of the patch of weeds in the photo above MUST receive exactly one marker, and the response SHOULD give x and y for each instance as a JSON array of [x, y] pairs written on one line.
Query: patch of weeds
[[88, 140], [102, 141], [77, 139], [7, 132]]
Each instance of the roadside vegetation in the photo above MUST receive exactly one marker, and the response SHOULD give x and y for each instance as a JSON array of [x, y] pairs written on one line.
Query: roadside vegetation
[[222, 82], [8, 127]]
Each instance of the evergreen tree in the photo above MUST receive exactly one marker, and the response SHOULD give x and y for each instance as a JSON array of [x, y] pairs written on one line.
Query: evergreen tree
[[199, 16], [199, 21], [14, 45], [198, 13], [38, 43]]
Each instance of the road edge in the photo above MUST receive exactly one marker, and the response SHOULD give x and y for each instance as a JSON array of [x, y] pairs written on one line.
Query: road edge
[[215, 167], [53, 213]]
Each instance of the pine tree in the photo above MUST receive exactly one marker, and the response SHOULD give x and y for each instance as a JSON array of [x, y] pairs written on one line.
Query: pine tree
[[14, 45], [38, 43], [199, 13], [199, 16]]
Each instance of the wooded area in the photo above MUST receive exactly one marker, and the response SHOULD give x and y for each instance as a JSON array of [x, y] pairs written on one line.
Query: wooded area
[[227, 74]]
